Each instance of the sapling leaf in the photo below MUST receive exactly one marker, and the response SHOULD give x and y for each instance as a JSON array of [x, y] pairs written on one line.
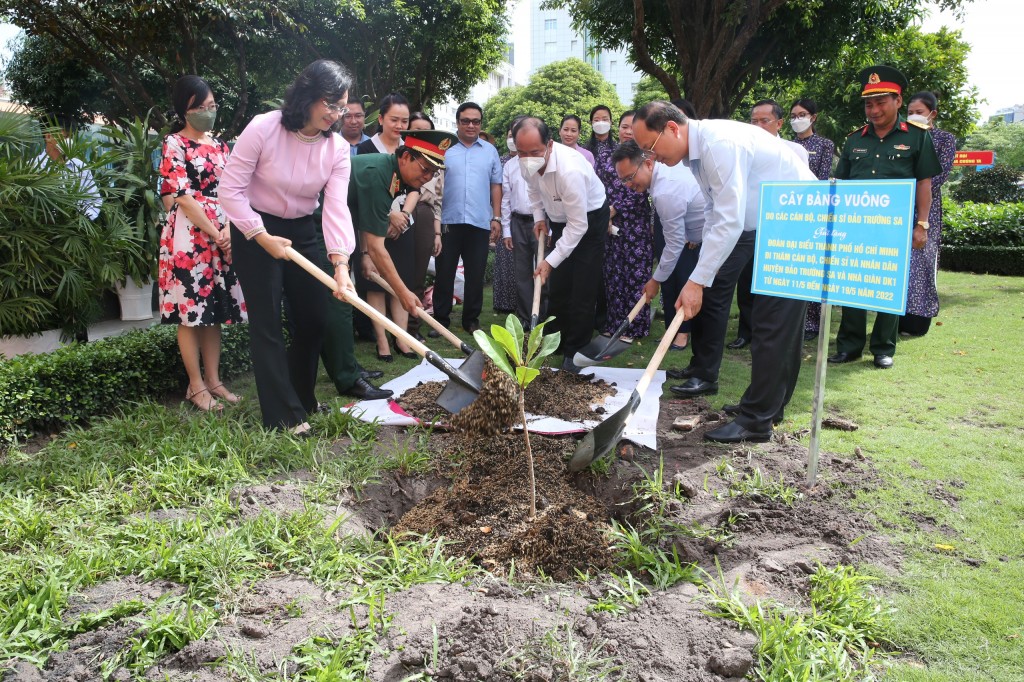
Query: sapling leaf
[[508, 342], [524, 375], [515, 328], [535, 336], [494, 351]]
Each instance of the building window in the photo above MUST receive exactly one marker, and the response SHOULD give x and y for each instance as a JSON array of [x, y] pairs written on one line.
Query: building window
[[611, 65], [550, 24], [572, 46], [549, 49]]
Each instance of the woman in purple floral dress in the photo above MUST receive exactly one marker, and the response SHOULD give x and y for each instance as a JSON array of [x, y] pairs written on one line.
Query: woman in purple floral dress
[[922, 294], [198, 289], [629, 250]]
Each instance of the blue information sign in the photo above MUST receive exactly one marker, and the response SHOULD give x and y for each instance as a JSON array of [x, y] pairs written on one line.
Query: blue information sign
[[844, 242]]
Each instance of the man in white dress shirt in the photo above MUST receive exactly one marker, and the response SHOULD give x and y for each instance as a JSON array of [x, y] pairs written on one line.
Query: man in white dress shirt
[[677, 198], [766, 115], [730, 160], [517, 233], [568, 200]]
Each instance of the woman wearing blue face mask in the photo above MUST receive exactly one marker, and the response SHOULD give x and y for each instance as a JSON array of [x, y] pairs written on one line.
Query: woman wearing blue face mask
[[199, 291], [922, 295]]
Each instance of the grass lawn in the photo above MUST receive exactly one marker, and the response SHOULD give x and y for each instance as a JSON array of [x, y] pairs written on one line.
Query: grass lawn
[[943, 427]]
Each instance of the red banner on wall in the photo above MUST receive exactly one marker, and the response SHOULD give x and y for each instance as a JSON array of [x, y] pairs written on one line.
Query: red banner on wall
[[974, 158]]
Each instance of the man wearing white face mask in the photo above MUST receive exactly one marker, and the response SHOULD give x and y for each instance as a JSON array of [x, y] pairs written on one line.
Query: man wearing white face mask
[[517, 232], [568, 200]]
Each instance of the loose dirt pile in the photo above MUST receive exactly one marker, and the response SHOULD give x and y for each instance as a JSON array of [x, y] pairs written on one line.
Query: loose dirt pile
[[485, 513], [562, 395]]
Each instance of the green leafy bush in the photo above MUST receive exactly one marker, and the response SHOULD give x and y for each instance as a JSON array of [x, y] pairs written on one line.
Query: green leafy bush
[[993, 260], [995, 185], [973, 224], [80, 381]]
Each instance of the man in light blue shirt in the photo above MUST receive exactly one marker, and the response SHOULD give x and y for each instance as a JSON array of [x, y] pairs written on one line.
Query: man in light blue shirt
[[730, 160], [353, 123], [470, 218]]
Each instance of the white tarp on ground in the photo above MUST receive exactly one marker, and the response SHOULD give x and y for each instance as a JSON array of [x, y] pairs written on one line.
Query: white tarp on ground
[[642, 428]]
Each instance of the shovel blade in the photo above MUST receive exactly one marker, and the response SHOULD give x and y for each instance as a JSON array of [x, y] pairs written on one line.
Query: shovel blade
[[455, 396], [598, 351], [600, 441]]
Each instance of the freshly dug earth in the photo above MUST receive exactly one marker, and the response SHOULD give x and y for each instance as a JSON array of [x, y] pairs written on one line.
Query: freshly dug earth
[[562, 395], [485, 512]]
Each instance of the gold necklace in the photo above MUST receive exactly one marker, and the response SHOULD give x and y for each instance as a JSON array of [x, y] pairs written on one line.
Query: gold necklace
[[307, 140]]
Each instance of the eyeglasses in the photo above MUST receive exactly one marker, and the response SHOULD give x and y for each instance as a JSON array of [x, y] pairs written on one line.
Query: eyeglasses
[[762, 121], [353, 115], [797, 117], [629, 178], [334, 108], [431, 172], [658, 139], [208, 107], [470, 121]]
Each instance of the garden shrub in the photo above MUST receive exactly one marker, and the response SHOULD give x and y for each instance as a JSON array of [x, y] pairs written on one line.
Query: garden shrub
[[983, 238], [999, 184], [72, 384]]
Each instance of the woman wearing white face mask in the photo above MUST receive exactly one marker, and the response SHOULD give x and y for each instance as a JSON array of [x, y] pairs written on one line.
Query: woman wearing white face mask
[[820, 150], [922, 295], [820, 153], [601, 140]]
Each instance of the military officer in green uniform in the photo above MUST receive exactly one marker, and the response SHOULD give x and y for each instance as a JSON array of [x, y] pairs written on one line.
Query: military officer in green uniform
[[887, 148], [375, 181]]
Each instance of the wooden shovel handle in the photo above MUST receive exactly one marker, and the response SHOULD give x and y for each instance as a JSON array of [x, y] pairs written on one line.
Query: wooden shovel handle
[[637, 308], [357, 303], [659, 353], [537, 284], [422, 314]]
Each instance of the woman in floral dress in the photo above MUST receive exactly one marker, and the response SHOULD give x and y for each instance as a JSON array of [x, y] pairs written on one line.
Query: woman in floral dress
[[922, 294], [198, 290], [629, 249]]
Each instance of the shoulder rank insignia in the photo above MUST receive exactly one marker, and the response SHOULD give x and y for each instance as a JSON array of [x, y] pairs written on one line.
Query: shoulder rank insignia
[[394, 184], [863, 131], [919, 125]]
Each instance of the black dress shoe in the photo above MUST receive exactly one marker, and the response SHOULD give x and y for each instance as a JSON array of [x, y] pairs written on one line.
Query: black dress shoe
[[733, 410], [734, 433], [364, 390], [738, 342], [434, 334], [370, 373], [696, 386], [840, 358], [385, 358], [472, 327], [883, 361], [684, 373]]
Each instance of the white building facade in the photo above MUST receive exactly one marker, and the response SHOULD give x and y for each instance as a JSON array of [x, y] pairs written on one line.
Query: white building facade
[[553, 39]]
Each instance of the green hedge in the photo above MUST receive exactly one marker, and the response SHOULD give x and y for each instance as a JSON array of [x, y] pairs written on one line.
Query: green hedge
[[995, 260], [971, 224], [72, 384]]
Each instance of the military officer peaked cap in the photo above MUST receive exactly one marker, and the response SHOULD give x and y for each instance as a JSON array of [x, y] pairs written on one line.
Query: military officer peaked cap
[[431, 144], [881, 80]]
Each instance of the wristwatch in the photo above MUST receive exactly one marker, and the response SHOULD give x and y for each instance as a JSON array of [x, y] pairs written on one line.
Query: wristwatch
[[496, 218], [923, 224]]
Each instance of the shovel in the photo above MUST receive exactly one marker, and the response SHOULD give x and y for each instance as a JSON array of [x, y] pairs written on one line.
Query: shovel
[[601, 348], [598, 442], [464, 386], [538, 286], [422, 314]]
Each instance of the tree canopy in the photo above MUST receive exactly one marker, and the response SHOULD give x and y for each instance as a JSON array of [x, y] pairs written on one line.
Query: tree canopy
[[722, 49], [1005, 139], [123, 58], [570, 86], [930, 61]]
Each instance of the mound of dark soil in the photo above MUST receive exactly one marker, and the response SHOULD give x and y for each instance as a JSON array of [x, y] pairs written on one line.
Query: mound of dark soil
[[485, 513], [553, 394]]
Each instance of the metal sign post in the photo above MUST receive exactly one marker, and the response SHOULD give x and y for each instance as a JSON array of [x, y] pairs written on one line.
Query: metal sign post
[[818, 405]]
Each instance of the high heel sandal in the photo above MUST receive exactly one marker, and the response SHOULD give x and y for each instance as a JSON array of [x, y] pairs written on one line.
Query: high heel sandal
[[225, 394], [405, 354], [385, 358], [210, 406]]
